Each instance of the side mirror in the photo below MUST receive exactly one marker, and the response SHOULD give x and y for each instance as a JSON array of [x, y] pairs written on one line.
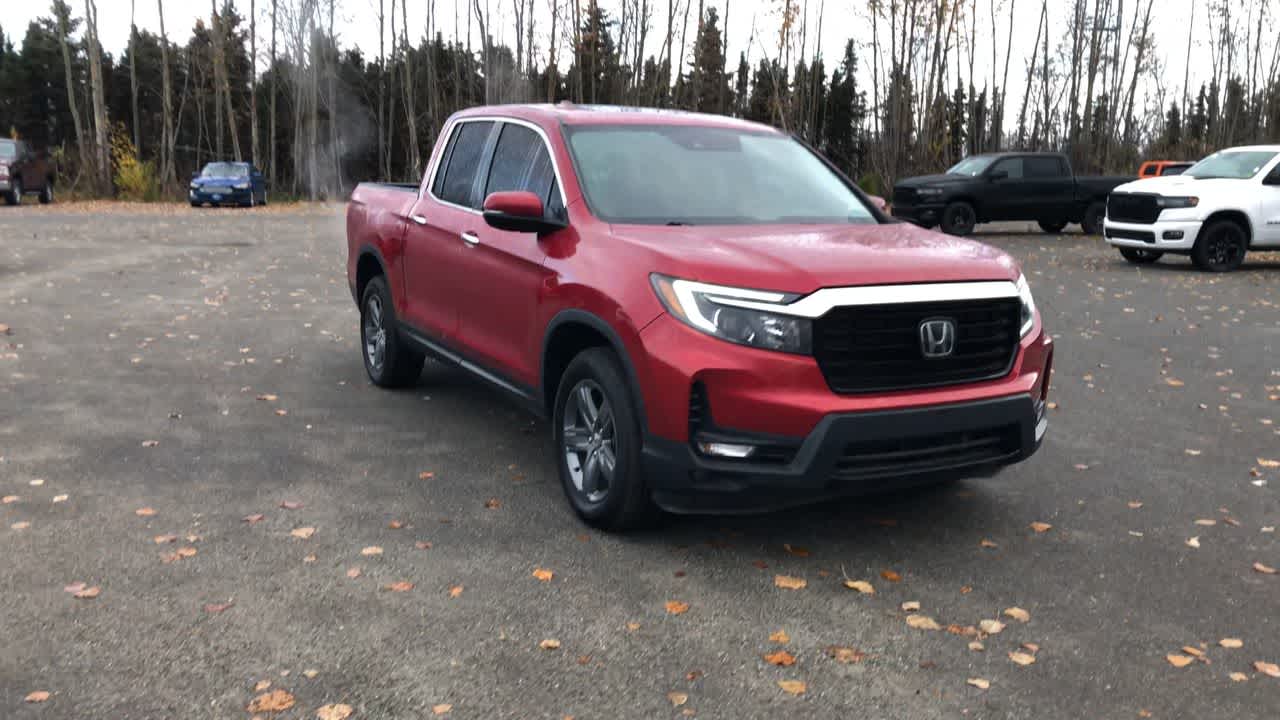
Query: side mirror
[[998, 175], [518, 211], [878, 202]]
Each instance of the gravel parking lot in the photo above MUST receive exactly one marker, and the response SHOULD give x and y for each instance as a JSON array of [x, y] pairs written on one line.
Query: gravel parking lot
[[204, 495]]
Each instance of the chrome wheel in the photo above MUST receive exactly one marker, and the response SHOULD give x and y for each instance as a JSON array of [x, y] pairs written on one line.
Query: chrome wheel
[[590, 435], [375, 334]]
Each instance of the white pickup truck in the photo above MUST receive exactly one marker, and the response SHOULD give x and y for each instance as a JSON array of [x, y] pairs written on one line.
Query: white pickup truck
[[1220, 208]]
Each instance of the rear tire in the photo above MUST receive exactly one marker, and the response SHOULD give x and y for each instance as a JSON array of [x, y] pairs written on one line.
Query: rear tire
[[1053, 227], [46, 193], [597, 440], [15, 195], [1221, 247], [388, 360], [1139, 256], [958, 219], [1093, 217]]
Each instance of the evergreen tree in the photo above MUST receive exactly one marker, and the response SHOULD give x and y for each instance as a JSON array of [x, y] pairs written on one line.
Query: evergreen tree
[[706, 84], [846, 111], [1171, 140]]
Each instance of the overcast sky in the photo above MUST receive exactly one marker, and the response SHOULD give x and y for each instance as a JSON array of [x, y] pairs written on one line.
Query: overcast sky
[[843, 19]]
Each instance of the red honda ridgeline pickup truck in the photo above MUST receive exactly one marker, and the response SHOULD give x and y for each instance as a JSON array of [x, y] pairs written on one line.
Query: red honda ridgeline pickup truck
[[713, 317]]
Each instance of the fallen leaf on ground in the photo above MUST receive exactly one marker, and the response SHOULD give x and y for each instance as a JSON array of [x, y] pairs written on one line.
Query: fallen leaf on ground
[[164, 539], [787, 582], [215, 608], [290, 505], [979, 683], [1191, 452], [268, 397], [353, 573], [251, 519], [37, 696], [1031, 647], [780, 637], [186, 552], [74, 587], [1178, 660], [455, 591], [1174, 382], [922, 622], [677, 698], [796, 550], [782, 658], [334, 712], [1022, 658], [303, 532], [492, 504], [543, 574], [676, 607], [793, 687], [88, 593], [9, 499], [890, 575], [261, 685], [422, 545], [976, 646], [60, 498], [1134, 504], [991, 627], [1194, 652], [144, 512], [1264, 569], [399, 586], [988, 543], [1267, 668], [1193, 542], [1206, 522], [549, 644], [861, 586], [846, 655], [371, 550], [633, 626], [911, 606], [1041, 526], [425, 475], [1231, 643], [150, 443], [1018, 614], [272, 702], [1267, 463], [1238, 677]]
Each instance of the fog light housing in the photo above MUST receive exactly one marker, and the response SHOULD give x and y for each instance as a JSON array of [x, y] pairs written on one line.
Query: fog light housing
[[1172, 235], [732, 451]]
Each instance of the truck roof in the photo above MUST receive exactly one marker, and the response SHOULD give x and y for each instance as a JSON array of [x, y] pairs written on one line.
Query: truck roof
[[568, 113]]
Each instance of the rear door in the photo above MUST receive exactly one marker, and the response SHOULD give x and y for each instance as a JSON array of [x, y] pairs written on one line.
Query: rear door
[[444, 214], [497, 309], [1048, 188]]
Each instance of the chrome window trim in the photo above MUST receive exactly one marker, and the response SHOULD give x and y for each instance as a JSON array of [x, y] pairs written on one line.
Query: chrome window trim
[[819, 303], [427, 188]]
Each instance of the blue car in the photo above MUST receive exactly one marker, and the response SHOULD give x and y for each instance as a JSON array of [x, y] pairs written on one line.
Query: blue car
[[228, 183]]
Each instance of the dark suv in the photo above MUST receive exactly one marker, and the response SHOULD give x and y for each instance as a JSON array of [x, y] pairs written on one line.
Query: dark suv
[[24, 171]]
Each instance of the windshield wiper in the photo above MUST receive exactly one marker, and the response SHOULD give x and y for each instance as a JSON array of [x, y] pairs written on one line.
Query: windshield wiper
[[678, 223]]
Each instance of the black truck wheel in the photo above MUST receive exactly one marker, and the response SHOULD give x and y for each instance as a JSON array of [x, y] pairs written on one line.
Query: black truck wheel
[[1221, 247], [1053, 227], [1093, 217], [959, 219], [46, 192], [15, 195]]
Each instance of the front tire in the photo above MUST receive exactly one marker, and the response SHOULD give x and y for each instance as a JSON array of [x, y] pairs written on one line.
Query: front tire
[[46, 193], [388, 359], [597, 439], [958, 219], [1053, 227], [1220, 247], [1139, 256], [15, 195], [1093, 217]]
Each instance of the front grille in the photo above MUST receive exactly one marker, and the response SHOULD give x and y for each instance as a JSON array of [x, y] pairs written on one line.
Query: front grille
[[874, 459], [877, 348], [904, 196], [1120, 234], [1132, 208]]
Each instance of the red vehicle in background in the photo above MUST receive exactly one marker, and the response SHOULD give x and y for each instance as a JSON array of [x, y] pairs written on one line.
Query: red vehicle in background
[[712, 316], [1158, 168]]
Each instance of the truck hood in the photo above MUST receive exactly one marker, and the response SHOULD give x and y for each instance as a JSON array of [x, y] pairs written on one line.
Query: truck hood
[[804, 258], [1178, 185]]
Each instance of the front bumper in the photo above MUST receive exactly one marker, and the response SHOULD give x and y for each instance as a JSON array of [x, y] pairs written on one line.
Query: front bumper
[[1162, 235], [923, 214], [852, 454], [232, 196]]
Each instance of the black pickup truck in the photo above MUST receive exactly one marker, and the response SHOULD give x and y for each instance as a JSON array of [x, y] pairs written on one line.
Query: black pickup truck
[[1006, 186]]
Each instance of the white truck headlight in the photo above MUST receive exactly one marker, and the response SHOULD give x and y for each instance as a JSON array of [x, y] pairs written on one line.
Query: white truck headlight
[[702, 307]]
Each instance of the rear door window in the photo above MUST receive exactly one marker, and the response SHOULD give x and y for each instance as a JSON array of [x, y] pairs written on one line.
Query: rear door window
[[521, 162], [455, 180], [1042, 167]]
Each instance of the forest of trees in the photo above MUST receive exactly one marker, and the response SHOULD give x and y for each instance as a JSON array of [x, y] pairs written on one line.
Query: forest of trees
[[268, 81]]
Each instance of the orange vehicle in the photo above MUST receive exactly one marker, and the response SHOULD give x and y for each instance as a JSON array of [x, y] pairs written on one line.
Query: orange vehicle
[[1156, 168]]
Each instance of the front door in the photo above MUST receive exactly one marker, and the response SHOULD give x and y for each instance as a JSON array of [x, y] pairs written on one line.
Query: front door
[[437, 224]]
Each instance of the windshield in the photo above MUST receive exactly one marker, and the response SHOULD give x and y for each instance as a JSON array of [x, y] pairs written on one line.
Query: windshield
[[8, 149], [1238, 165], [681, 175], [225, 170], [972, 166]]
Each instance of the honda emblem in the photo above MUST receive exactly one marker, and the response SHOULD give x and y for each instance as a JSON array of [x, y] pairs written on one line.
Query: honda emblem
[[937, 337]]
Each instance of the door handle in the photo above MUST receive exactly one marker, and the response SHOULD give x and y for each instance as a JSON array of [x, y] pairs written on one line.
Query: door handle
[[471, 239], [418, 219]]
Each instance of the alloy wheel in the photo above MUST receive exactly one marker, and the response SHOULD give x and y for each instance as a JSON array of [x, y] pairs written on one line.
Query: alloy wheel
[[1223, 247], [375, 334], [589, 441]]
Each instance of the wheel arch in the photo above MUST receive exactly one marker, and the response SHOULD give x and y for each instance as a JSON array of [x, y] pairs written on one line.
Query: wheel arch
[[369, 264], [569, 333], [1239, 217]]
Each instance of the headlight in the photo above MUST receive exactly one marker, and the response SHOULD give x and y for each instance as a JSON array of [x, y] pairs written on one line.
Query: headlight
[[709, 308], [242, 186], [1028, 305], [929, 191], [194, 186], [1170, 203]]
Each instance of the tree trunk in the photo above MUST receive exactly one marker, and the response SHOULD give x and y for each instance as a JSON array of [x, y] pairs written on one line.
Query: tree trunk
[[335, 147], [253, 83], [64, 29], [410, 101], [167, 173], [133, 78], [101, 143], [275, 89], [220, 76]]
